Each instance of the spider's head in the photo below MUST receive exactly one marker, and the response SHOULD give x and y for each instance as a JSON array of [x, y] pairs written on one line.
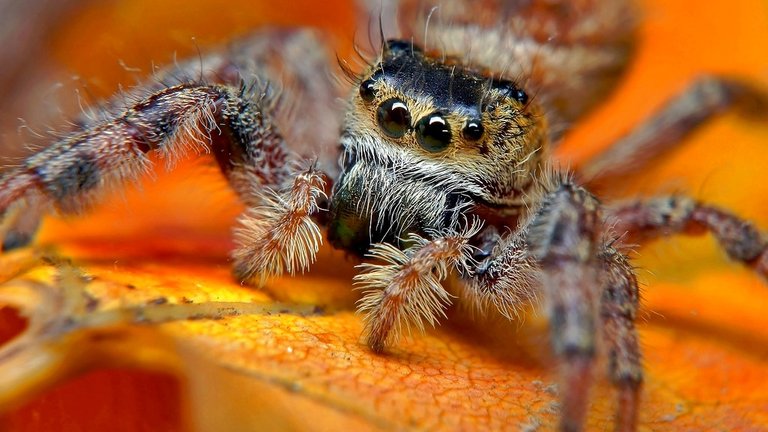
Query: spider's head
[[426, 139]]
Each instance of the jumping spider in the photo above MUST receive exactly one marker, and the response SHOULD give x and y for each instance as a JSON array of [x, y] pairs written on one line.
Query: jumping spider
[[443, 170]]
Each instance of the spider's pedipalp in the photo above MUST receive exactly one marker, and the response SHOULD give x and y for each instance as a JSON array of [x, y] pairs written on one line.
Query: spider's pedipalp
[[279, 235], [406, 288], [507, 281]]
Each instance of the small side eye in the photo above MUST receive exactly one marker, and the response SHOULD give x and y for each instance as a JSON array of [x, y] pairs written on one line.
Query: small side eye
[[433, 133], [508, 88], [473, 130], [368, 90], [520, 96], [397, 46], [394, 117]]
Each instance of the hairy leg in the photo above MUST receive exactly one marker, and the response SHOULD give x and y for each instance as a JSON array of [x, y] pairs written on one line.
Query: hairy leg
[[660, 134], [644, 220], [554, 255], [563, 237], [237, 103], [618, 311], [587, 288], [77, 169]]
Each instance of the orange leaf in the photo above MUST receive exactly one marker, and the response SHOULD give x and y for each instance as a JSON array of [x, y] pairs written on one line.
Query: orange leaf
[[123, 337]]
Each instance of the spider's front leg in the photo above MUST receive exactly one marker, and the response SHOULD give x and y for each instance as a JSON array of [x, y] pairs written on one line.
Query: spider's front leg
[[223, 103], [588, 289], [225, 120], [563, 237]]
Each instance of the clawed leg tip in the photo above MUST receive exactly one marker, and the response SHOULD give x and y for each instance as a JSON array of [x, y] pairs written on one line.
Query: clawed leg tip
[[376, 346]]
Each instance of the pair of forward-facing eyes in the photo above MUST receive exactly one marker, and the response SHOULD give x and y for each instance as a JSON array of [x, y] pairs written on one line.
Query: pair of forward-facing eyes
[[433, 132]]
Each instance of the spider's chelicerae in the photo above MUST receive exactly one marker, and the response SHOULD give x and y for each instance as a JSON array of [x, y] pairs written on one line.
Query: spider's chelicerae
[[443, 170]]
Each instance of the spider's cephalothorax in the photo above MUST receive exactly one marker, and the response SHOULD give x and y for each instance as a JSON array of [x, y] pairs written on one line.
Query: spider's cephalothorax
[[427, 140], [443, 170]]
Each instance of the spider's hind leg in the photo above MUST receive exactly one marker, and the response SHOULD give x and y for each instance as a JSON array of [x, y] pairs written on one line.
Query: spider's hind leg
[[279, 234], [643, 220], [664, 131]]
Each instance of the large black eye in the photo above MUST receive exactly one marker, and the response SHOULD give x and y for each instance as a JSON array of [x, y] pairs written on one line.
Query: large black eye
[[473, 130], [433, 132], [394, 117], [368, 90]]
